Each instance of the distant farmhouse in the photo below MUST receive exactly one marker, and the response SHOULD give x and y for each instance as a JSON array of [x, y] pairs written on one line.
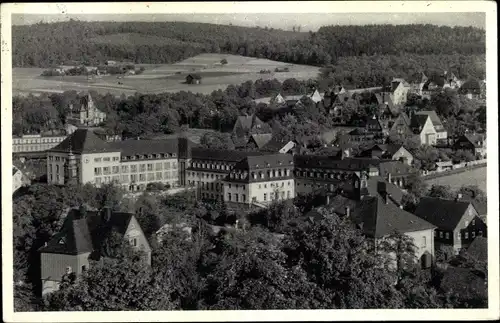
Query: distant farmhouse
[[193, 79]]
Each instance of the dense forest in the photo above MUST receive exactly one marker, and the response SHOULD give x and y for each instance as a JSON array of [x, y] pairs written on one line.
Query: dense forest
[[276, 258], [45, 45]]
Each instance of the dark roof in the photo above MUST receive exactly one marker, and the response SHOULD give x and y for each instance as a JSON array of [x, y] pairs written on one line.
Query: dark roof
[[274, 145], [379, 218], [221, 154], [418, 121], [478, 249], [395, 168], [390, 149], [436, 121], [471, 86], [264, 161], [261, 139], [81, 234], [475, 139], [194, 76], [83, 141], [445, 214], [134, 147], [313, 161]]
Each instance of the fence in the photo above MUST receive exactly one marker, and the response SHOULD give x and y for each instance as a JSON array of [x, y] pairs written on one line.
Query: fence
[[457, 168]]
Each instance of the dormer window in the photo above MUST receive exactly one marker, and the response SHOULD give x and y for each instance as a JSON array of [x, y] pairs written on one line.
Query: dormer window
[[254, 176], [141, 156], [174, 155], [61, 241], [158, 155], [150, 156], [132, 157]]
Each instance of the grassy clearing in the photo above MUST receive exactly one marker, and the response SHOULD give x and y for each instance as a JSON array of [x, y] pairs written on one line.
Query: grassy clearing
[[159, 78], [473, 177]]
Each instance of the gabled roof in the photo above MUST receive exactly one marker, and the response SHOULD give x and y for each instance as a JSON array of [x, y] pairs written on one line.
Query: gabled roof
[[418, 122], [474, 139], [83, 141], [261, 139], [315, 96], [445, 214], [244, 124], [85, 233], [478, 249], [390, 149], [380, 218], [436, 121]]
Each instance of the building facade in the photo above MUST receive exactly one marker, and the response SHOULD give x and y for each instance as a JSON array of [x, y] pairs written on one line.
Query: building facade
[[85, 113], [37, 142]]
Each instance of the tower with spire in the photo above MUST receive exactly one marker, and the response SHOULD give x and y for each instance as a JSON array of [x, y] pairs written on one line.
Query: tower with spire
[[71, 168]]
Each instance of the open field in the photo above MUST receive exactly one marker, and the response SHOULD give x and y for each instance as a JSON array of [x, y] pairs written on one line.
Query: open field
[[475, 176], [165, 78]]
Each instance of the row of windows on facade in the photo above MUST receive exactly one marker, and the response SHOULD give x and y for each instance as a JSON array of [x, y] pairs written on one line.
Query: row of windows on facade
[[339, 176], [202, 165], [270, 174], [203, 175], [134, 168], [158, 176], [32, 148], [464, 235], [37, 140], [272, 195], [139, 157]]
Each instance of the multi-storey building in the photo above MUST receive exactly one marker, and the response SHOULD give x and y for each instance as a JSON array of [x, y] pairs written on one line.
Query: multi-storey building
[[35, 142], [85, 158], [85, 113], [260, 179], [208, 169]]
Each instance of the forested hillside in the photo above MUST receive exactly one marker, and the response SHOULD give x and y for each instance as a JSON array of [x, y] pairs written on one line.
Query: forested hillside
[[43, 45]]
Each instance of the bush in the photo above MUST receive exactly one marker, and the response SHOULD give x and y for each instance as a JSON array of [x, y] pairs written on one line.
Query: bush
[[223, 61], [156, 186]]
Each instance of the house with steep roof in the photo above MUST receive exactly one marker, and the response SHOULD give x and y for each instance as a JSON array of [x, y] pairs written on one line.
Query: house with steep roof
[[399, 91], [85, 113], [388, 151], [457, 221], [259, 140], [83, 237], [422, 126], [260, 179], [441, 132], [472, 89], [247, 125], [401, 126], [193, 78], [475, 143]]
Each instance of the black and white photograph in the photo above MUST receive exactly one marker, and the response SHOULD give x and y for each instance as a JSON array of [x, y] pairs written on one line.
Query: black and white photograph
[[220, 157]]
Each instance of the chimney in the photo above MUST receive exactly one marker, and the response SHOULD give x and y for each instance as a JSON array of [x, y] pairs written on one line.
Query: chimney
[[347, 211], [389, 178]]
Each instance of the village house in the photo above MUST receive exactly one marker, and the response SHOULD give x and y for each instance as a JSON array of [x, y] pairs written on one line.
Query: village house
[[18, 179], [260, 180], [457, 221], [193, 79], [82, 238], [388, 151], [85, 113], [439, 83], [441, 132], [422, 126], [248, 125], [475, 143], [471, 89], [398, 92], [401, 126]]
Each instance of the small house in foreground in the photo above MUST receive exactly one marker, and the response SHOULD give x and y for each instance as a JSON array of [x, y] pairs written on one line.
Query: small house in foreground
[[193, 79]]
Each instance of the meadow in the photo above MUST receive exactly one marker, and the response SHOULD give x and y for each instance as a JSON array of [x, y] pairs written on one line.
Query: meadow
[[159, 78], [475, 176]]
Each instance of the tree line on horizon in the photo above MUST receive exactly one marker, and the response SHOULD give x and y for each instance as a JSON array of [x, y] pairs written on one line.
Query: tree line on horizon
[[49, 44]]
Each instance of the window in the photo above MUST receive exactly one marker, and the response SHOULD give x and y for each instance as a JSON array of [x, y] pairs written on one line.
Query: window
[[106, 159], [466, 235], [116, 169], [236, 197], [150, 167], [124, 178], [133, 168], [159, 166], [459, 235], [167, 175], [174, 165], [265, 197], [57, 168], [229, 196], [133, 242], [106, 171], [116, 158], [97, 170], [151, 176], [447, 235], [474, 222], [142, 177], [254, 199], [480, 233], [441, 234], [98, 180], [97, 160], [116, 178], [84, 268], [133, 178], [124, 169], [167, 165], [159, 176], [142, 167], [243, 198], [473, 233], [287, 194]]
